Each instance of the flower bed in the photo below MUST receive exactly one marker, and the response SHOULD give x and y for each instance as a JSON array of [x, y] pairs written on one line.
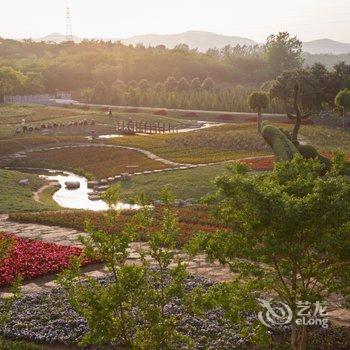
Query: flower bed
[[191, 220], [47, 317], [260, 163], [33, 258]]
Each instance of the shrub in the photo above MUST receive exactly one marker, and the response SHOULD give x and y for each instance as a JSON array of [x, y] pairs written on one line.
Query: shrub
[[161, 112]]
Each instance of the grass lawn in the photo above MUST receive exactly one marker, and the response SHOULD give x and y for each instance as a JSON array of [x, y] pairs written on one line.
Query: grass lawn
[[190, 183], [95, 162], [14, 197]]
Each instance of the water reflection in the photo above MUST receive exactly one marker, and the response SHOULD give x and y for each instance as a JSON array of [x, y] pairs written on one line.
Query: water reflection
[[78, 198]]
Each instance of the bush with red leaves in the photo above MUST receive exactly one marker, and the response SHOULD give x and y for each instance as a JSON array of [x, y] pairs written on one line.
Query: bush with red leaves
[[86, 108], [104, 109], [33, 258], [161, 112]]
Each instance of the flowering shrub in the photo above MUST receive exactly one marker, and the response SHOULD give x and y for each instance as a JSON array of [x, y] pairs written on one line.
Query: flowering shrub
[[33, 258]]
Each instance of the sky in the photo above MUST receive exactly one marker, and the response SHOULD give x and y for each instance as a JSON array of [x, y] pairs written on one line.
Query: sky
[[254, 19]]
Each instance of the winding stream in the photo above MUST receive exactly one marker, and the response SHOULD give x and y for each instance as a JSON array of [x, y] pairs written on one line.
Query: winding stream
[[78, 198]]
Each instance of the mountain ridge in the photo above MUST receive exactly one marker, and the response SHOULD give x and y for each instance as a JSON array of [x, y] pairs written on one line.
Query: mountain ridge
[[203, 40]]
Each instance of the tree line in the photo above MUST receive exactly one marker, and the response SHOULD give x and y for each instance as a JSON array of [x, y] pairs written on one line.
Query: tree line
[[107, 72]]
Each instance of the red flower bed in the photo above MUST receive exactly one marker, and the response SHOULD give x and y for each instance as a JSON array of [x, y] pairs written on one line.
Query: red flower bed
[[33, 258], [161, 112], [191, 115], [260, 163]]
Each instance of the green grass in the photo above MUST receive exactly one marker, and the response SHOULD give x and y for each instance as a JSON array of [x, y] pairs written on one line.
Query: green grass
[[184, 184], [14, 197]]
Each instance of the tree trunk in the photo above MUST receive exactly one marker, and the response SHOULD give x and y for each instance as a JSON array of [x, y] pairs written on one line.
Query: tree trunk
[[258, 120], [299, 337], [298, 115]]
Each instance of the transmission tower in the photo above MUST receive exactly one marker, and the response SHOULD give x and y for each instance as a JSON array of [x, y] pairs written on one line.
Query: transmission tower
[[69, 32]]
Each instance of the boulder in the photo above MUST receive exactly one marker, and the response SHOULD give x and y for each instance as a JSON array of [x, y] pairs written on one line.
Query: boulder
[[72, 185], [23, 182], [92, 184]]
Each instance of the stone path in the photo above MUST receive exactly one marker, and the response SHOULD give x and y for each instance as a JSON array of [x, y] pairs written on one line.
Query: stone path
[[70, 237]]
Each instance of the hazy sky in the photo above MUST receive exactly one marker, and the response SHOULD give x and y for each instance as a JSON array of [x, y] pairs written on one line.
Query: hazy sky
[[256, 19]]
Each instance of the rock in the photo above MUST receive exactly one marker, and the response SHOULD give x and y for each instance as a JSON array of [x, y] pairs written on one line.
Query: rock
[[111, 179], [23, 182], [72, 185], [103, 181], [92, 184], [94, 197], [125, 176]]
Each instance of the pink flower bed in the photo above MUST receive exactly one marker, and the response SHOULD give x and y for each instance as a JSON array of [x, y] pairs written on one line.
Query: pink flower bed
[[33, 258]]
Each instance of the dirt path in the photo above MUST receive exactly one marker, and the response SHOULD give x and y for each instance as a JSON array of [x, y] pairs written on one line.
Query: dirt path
[[36, 194]]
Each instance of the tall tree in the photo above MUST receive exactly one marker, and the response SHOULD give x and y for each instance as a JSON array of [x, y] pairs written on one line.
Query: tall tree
[[257, 102], [11, 81], [342, 100], [289, 233], [283, 52]]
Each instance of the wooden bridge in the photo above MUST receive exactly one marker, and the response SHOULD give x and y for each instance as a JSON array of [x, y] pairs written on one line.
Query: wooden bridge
[[143, 127]]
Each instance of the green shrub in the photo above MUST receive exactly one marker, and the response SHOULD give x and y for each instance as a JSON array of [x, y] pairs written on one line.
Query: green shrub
[[282, 147]]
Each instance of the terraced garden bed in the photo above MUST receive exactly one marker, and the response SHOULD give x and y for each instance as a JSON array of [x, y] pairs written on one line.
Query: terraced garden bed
[[191, 220], [100, 162], [221, 143]]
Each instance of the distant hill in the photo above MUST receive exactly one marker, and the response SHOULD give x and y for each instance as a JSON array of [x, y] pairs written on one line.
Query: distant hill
[[57, 38], [194, 39], [205, 40], [327, 46]]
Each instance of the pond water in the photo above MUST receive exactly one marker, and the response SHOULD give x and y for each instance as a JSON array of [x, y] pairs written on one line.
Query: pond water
[[78, 198]]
